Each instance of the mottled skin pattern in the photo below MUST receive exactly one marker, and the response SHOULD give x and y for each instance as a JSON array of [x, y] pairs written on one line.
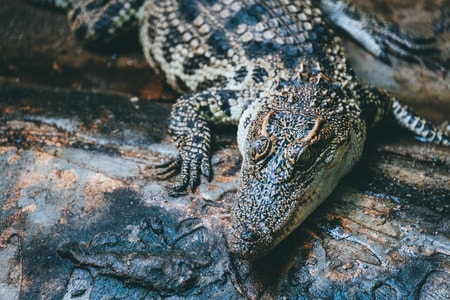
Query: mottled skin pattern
[[275, 68]]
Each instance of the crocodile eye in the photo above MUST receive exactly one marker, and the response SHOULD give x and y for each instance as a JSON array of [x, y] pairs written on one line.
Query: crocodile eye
[[304, 156], [298, 155], [260, 148]]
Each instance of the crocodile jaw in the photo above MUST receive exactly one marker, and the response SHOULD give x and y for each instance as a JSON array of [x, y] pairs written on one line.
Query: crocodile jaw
[[302, 203]]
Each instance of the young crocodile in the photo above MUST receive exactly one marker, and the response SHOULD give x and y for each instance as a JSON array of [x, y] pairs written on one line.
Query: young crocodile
[[276, 68]]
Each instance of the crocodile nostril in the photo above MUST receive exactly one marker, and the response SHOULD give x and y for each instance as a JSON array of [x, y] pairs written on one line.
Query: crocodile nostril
[[250, 235]]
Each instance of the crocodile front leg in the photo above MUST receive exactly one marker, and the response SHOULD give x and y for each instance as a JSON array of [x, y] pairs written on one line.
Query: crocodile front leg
[[193, 137], [188, 125]]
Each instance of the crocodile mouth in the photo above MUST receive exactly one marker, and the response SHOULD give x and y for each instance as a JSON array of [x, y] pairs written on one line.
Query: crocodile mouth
[[262, 223], [250, 244], [256, 239]]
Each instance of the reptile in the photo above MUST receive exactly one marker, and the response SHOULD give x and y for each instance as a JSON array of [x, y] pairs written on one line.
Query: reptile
[[278, 70]]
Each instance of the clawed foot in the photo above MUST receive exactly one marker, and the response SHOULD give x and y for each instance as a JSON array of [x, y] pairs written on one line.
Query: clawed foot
[[376, 36], [193, 137], [191, 169]]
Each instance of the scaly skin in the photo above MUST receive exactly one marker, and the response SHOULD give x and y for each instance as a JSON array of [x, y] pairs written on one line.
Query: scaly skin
[[276, 68], [299, 145]]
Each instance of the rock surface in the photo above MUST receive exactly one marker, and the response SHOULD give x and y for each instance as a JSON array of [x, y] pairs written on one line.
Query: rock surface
[[82, 216]]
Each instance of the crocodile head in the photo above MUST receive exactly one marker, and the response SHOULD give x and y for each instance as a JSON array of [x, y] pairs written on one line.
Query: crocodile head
[[295, 149]]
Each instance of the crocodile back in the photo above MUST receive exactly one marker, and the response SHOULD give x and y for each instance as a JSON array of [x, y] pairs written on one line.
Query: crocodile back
[[239, 44]]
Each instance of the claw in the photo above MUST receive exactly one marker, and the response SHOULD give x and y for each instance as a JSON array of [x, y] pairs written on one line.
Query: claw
[[207, 170], [177, 192], [194, 178], [168, 168], [167, 163], [193, 183], [384, 58], [190, 170], [180, 188]]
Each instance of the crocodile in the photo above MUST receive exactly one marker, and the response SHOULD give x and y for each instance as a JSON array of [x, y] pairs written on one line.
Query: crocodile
[[278, 70]]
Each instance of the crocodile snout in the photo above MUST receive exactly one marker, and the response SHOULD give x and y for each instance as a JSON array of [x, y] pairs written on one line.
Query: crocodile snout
[[249, 243]]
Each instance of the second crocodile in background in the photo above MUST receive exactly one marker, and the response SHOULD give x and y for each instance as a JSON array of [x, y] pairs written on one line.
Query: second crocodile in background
[[277, 69]]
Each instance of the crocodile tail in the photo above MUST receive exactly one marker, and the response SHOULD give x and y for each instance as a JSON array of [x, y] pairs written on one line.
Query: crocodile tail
[[426, 131]]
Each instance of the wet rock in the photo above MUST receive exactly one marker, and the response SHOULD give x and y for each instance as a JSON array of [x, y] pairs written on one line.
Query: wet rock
[[11, 270], [80, 284], [160, 254], [72, 176]]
